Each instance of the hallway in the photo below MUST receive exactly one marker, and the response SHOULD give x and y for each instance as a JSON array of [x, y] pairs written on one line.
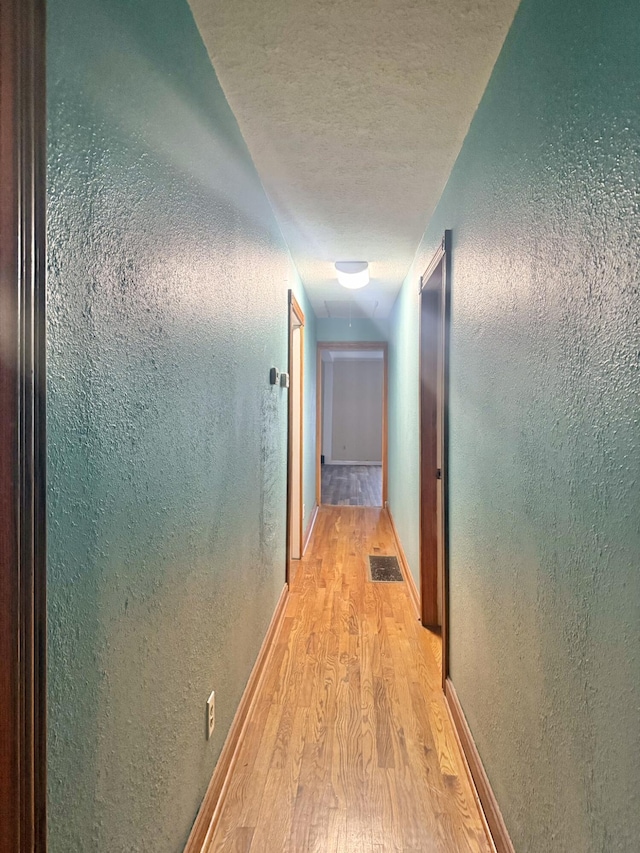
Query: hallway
[[349, 747], [449, 185]]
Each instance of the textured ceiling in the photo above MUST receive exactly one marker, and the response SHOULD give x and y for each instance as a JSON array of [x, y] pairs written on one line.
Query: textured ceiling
[[354, 112]]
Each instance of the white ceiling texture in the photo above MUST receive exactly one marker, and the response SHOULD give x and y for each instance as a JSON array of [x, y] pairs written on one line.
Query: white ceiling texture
[[354, 112]]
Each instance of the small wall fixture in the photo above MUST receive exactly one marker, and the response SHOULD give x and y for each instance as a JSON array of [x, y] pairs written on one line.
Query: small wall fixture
[[352, 274]]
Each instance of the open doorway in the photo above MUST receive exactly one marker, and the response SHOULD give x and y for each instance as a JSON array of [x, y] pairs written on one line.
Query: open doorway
[[294, 480], [434, 381], [352, 424]]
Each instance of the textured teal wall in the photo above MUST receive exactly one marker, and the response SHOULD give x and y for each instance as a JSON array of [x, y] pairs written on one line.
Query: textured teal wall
[[167, 447], [545, 425], [403, 419], [329, 329]]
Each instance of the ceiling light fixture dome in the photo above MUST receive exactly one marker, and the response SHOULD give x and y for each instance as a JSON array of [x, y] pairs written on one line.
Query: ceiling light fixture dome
[[352, 274]]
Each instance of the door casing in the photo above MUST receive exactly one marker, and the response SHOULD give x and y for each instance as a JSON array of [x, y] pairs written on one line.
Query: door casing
[[434, 429], [295, 317], [22, 428], [351, 345]]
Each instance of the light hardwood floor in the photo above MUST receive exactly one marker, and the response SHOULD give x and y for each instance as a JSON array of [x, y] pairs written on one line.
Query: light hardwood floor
[[349, 748], [352, 485]]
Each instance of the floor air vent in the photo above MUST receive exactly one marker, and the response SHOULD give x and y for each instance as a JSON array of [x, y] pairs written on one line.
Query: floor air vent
[[384, 569]]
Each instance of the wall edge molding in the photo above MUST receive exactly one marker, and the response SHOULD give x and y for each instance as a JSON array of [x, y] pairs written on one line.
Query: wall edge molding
[[414, 595], [209, 813], [310, 527], [495, 826]]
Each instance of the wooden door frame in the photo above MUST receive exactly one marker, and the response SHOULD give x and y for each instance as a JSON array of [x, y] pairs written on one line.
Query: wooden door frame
[[352, 345], [22, 428], [293, 306], [439, 293]]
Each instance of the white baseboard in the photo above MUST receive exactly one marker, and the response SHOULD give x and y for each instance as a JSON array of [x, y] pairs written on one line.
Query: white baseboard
[[350, 462]]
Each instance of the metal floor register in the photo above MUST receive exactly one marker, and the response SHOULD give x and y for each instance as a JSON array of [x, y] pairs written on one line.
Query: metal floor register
[[384, 569]]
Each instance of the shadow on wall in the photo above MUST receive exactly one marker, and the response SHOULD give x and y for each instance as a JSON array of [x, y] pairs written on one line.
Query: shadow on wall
[[167, 301]]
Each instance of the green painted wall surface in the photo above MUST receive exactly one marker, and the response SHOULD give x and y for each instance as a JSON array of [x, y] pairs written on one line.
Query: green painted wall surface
[[167, 306], [545, 425], [403, 418], [329, 329]]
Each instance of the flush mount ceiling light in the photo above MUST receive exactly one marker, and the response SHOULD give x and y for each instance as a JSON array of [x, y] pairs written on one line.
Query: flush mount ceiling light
[[352, 274]]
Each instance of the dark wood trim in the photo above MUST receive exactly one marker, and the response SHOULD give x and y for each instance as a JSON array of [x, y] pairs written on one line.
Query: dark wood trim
[[309, 531], [353, 345], [430, 330], [435, 308], [213, 802], [446, 295], [22, 428], [414, 595], [494, 822]]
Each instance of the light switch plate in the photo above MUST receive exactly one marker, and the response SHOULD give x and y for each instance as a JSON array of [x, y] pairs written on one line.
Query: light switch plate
[[211, 713]]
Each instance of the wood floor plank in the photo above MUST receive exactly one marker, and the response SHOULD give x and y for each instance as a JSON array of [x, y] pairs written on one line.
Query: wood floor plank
[[352, 485], [349, 748]]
